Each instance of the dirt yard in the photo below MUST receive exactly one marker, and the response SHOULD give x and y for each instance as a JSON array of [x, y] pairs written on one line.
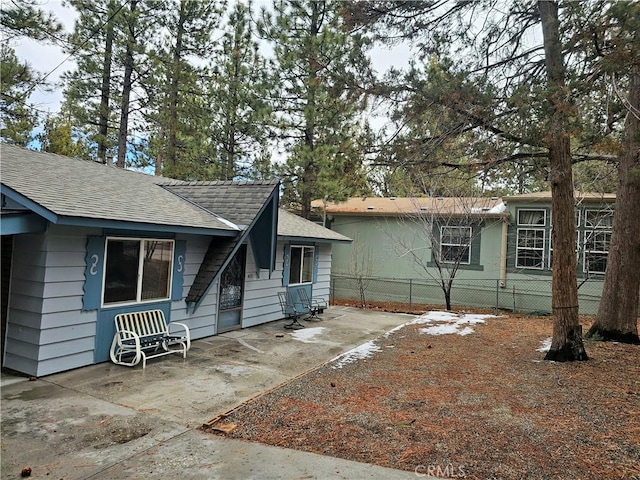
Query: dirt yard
[[455, 397]]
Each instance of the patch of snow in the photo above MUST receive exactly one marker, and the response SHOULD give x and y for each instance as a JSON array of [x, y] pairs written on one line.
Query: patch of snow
[[473, 318], [499, 208], [307, 335], [446, 329], [425, 319], [450, 323], [360, 352], [395, 329], [439, 316], [465, 331], [545, 345]]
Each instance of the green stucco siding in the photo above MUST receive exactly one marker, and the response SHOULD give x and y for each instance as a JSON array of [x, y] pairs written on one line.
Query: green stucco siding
[[387, 240]]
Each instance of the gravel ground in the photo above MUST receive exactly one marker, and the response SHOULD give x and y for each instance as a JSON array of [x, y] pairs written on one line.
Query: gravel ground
[[476, 403]]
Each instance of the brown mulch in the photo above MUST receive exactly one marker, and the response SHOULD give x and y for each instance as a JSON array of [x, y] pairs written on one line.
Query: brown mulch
[[483, 405]]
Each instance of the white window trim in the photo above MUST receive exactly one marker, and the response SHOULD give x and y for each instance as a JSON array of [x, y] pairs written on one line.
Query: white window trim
[[586, 252], [442, 244], [541, 249], [550, 257], [598, 226], [138, 300], [298, 280], [544, 213]]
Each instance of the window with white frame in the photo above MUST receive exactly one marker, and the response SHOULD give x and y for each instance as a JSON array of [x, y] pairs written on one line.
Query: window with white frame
[[137, 270], [598, 219], [455, 245], [597, 237], [530, 242], [532, 217], [551, 248], [596, 250], [530, 248], [301, 269]]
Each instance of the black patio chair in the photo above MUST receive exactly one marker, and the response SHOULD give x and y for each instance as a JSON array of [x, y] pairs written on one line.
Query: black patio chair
[[314, 305], [290, 311]]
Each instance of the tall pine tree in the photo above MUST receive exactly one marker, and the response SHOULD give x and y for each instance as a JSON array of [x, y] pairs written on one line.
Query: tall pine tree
[[319, 69], [109, 46], [178, 110], [18, 118], [240, 92]]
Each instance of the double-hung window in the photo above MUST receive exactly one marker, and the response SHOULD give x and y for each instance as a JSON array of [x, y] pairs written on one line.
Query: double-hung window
[[455, 245], [577, 215], [596, 251], [597, 237], [530, 239], [301, 270], [137, 270]]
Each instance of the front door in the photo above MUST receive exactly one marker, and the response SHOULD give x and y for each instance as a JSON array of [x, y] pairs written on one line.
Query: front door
[[232, 292]]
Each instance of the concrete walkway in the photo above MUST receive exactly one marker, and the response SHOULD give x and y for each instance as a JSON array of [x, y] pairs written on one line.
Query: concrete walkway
[[112, 422]]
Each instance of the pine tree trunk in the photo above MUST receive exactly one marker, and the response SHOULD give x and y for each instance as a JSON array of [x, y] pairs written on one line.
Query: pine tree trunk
[[126, 90], [160, 155], [617, 318], [310, 174], [566, 344], [229, 163], [172, 144], [105, 92]]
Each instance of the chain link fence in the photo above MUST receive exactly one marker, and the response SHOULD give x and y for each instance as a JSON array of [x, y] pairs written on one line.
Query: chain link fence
[[531, 296]]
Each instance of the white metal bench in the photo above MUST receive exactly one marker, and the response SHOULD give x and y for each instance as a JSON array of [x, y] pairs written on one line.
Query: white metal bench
[[144, 335]]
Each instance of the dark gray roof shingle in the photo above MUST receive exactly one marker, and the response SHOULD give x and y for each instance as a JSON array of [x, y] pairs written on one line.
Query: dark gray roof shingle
[[239, 202], [69, 187], [290, 225]]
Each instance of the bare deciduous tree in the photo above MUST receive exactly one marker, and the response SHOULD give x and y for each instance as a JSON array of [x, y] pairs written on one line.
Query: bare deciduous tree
[[362, 266], [438, 234]]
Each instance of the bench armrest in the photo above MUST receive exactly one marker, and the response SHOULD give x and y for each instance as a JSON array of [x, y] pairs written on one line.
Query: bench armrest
[[181, 329]]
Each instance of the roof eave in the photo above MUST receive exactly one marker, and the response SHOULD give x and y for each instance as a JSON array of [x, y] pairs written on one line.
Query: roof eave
[[421, 213], [143, 226], [22, 222], [28, 203], [294, 238]]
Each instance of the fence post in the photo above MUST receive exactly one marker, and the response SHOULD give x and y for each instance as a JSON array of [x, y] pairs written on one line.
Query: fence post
[[410, 294], [332, 290], [497, 295]]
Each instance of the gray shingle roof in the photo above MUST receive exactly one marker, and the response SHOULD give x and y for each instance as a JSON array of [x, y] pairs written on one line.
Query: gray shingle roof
[[239, 202], [290, 225], [69, 187]]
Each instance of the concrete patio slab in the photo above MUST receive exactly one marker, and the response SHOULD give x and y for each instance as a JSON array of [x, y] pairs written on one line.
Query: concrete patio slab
[[109, 422]]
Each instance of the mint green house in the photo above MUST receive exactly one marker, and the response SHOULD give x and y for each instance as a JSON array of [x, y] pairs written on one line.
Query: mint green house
[[498, 250]]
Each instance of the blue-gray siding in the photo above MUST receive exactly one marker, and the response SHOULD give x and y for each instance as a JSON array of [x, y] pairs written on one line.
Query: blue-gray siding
[[202, 322], [261, 294], [46, 330]]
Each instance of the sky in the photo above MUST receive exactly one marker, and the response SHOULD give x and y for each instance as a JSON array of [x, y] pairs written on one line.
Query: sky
[[50, 59]]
